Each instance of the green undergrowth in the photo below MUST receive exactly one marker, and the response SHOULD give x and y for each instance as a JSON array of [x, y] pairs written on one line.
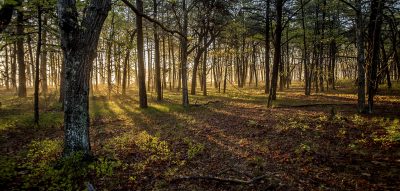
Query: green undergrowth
[[41, 167]]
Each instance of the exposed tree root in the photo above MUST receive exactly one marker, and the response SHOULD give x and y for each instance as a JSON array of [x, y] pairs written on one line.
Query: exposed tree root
[[227, 180], [204, 104]]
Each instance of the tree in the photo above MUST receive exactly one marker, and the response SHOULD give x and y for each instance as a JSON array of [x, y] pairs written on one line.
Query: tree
[[373, 59], [6, 12], [20, 54], [126, 61], [184, 54], [267, 46], [157, 55], [43, 60], [79, 39], [277, 51], [37, 68], [140, 52], [360, 57]]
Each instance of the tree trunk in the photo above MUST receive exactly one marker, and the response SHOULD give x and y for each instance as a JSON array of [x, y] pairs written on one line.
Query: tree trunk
[[126, 64], [277, 52], [196, 62], [204, 73], [109, 49], [184, 55], [43, 61], [20, 55], [157, 56], [360, 57], [6, 68], [32, 65], [140, 53], [79, 42], [38, 47], [164, 68], [171, 46], [14, 66], [307, 77], [374, 33]]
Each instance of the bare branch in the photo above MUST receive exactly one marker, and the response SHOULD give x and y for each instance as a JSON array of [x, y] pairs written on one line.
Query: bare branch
[[138, 13]]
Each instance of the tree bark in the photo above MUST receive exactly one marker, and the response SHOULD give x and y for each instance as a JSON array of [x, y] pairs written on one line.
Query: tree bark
[[140, 53], [277, 52], [43, 60], [360, 57], [374, 33], [38, 48], [184, 55], [20, 55], [6, 68], [109, 62], [79, 39], [157, 55], [204, 72], [14, 66]]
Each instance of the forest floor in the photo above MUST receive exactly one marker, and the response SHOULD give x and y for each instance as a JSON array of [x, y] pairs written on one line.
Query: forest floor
[[226, 141]]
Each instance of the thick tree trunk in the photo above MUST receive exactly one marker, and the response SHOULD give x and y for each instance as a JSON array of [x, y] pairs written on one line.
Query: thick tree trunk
[[79, 42]]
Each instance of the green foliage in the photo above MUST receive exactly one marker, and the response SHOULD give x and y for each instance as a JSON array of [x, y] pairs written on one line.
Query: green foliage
[[256, 163], [303, 148], [25, 120], [157, 149], [104, 167], [252, 123], [43, 151], [66, 174], [7, 170], [194, 149], [392, 134]]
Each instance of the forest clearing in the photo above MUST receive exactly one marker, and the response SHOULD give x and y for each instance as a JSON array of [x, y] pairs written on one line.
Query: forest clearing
[[301, 143]]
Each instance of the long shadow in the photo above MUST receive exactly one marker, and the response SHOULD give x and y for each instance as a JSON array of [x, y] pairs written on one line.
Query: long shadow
[[222, 128], [296, 137]]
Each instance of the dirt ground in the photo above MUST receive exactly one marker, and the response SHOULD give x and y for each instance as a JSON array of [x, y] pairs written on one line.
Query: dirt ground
[[226, 141]]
